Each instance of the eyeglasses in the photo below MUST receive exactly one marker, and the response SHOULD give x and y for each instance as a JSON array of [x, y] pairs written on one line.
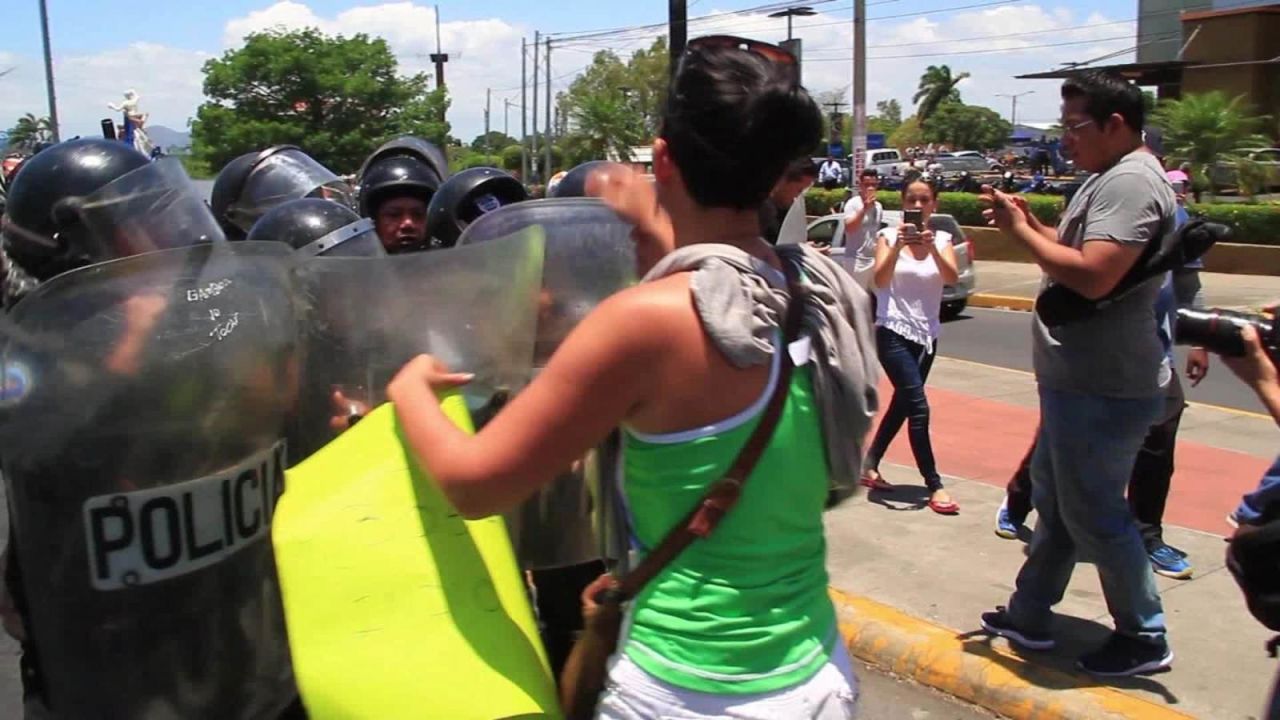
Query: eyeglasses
[[768, 51], [1073, 129]]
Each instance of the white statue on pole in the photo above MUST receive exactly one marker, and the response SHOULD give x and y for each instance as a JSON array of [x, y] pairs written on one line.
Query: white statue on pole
[[133, 122]]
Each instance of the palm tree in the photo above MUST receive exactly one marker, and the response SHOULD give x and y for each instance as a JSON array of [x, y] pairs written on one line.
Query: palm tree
[[30, 130], [1209, 129], [605, 124], [937, 85]]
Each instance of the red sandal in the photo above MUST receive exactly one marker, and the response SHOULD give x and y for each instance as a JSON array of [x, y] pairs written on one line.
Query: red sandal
[[944, 507], [872, 479]]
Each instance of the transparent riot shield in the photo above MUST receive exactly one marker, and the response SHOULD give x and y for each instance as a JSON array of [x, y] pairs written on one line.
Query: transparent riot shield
[[142, 443], [474, 308], [589, 256], [155, 207]]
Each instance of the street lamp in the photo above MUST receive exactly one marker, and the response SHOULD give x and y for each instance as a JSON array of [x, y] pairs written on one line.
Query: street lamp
[[798, 11], [1013, 115]]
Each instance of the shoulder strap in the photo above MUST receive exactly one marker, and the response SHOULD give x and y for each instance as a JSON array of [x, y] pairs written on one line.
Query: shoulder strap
[[724, 493]]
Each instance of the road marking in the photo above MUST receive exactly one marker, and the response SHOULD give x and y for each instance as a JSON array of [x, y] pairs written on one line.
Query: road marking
[[1207, 406]]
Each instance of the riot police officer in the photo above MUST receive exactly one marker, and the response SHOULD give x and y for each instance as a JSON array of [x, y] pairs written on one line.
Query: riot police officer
[[148, 378], [317, 227], [463, 198], [253, 183], [396, 184]]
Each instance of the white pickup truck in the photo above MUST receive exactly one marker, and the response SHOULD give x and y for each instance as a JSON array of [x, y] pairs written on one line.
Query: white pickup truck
[[887, 161]]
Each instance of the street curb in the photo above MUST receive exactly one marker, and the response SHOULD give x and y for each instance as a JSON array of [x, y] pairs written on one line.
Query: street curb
[[1008, 302], [972, 669]]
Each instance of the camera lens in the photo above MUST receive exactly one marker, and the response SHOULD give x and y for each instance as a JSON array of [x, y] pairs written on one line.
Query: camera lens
[[1218, 331]]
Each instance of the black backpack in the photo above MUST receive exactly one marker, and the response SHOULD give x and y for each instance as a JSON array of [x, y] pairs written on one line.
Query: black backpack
[[1254, 559], [1059, 305]]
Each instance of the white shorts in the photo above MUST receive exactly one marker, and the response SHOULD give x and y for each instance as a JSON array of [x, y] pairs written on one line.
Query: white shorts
[[633, 694]]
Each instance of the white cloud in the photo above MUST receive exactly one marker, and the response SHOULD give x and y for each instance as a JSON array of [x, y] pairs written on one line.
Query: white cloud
[[486, 54], [167, 79]]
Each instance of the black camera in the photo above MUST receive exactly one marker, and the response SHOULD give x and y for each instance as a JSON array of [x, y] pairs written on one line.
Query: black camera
[[1219, 331]]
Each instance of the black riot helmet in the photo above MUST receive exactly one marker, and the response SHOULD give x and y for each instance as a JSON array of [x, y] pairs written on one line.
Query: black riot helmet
[[396, 176], [253, 183], [465, 197], [409, 146], [43, 232], [314, 226], [574, 182]]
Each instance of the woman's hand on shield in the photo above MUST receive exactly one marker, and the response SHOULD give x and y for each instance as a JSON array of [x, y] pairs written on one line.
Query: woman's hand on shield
[[424, 373], [346, 412]]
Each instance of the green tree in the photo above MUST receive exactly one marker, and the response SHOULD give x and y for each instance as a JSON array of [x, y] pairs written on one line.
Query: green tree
[[425, 116], [614, 105], [336, 97], [887, 118], [494, 141], [967, 127], [908, 134], [512, 157], [937, 86], [30, 130], [1207, 130]]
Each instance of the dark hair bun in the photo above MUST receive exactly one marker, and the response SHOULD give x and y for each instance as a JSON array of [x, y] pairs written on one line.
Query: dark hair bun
[[784, 121], [734, 122]]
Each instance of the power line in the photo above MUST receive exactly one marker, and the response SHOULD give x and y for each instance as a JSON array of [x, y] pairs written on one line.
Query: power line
[[1022, 48]]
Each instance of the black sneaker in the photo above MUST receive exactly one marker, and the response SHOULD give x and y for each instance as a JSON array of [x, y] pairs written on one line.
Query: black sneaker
[[1122, 656], [998, 623]]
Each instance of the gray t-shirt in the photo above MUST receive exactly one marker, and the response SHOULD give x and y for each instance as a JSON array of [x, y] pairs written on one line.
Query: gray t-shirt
[[1114, 352]]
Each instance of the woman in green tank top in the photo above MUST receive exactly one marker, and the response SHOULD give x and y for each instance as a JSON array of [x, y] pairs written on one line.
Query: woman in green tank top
[[740, 625]]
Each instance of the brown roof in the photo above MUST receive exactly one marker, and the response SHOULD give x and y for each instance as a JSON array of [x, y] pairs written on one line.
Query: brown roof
[[1206, 14]]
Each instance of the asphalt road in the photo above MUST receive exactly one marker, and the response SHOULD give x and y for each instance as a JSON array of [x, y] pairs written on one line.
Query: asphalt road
[[1003, 338]]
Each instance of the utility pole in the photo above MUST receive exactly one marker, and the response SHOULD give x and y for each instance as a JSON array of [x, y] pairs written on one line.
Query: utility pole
[[533, 151], [1013, 114], [859, 86], [677, 30], [488, 96], [439, 57], [48, 72], [546, 133], [524, 112], [506, 116]]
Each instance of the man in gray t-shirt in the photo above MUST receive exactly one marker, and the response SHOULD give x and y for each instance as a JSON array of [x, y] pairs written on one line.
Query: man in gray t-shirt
[[1099, 380]]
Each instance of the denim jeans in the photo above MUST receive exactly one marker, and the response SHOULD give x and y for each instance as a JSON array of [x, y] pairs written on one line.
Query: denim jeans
[[907, 364], [1083, 460]]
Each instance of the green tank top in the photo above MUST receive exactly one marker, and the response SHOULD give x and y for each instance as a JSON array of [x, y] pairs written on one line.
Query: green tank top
[[746, 610]]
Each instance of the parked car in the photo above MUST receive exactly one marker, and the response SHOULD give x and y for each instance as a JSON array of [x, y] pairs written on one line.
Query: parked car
[[955, 297], [1224, 174], [887, 161]]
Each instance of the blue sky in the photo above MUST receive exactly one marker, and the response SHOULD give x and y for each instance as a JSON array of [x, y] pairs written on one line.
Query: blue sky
[[101, 49]]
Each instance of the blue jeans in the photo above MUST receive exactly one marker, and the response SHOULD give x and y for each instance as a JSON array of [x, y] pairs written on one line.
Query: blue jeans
[[907, 364], [1082, 463]]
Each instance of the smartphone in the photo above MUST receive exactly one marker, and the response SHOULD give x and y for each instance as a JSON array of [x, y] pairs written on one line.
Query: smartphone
[[914, 217]]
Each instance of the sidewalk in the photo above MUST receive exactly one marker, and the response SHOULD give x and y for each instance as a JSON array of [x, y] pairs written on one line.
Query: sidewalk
[[888, 548], [1014, 285]]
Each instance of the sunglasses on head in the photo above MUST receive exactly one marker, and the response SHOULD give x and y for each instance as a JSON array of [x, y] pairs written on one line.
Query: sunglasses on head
[[768, 51]]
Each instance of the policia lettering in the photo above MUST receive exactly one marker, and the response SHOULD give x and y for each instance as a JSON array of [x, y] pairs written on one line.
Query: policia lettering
[[150, 535]]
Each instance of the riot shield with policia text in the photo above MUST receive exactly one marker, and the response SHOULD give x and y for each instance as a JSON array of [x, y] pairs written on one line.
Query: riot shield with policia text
[[396, 606], [143, 455], [589, 256]]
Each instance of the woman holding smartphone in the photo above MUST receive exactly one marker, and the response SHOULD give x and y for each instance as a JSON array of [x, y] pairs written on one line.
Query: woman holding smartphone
[[913, 263]]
